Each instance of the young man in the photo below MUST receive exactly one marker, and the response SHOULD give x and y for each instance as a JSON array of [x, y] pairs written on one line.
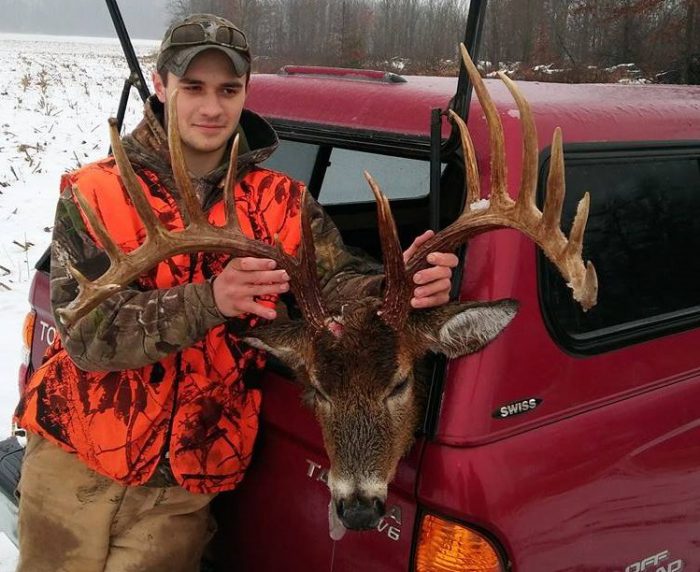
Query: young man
[[140, 413]]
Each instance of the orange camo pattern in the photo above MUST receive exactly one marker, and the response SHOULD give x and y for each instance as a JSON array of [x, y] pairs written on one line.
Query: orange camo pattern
[[118, 422]]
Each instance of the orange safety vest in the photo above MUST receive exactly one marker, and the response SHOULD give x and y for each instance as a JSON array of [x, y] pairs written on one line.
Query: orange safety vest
[[118, 422]]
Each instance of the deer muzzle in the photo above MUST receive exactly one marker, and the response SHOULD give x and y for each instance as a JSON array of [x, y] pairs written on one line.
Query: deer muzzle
[[359, 512]]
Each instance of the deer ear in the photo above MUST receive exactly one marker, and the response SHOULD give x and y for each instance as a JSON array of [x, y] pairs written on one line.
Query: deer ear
[[461, 328], [289, 341]]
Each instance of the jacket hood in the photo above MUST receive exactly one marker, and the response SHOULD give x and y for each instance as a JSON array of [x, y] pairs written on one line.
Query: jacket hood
[[147, 145]]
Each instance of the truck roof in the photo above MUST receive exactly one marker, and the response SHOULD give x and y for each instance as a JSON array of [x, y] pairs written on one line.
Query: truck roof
[[618, 111]]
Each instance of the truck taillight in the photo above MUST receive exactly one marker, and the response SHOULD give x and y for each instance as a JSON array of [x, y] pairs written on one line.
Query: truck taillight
[[445, 546], [28, 336]]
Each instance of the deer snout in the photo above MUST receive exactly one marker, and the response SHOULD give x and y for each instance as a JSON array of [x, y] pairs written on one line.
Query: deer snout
[[359, 512]]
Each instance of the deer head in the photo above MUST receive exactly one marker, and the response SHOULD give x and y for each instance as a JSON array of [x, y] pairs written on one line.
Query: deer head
[[356, 360]]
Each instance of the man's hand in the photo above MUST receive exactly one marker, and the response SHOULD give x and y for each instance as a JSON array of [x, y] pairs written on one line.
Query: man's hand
[[242, 280], [434, 284]]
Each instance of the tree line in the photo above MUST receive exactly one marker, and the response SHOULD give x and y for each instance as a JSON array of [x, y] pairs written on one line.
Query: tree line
[[344, 32], [662, 37]]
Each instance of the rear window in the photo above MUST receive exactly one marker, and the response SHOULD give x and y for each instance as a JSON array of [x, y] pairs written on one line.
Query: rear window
[[643, 236], [337, 173]]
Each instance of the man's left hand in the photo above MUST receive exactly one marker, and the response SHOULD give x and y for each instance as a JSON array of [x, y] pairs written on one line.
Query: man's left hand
[[434, 283]]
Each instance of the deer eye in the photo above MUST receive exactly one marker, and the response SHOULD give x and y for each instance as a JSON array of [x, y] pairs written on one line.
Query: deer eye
[[399, 389]]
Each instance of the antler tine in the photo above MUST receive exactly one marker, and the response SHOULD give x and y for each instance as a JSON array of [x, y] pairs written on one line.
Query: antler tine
[[397, 290], [192, 212], [303, 275], [112, 250], [229, 182], [528, 182], [499, 194], [585, 288], [79, 276], [153, 226], [471, 180], [575, 246], [554, 199]]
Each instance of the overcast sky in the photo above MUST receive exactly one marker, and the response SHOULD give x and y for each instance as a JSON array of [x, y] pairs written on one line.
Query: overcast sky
[[143, 18]]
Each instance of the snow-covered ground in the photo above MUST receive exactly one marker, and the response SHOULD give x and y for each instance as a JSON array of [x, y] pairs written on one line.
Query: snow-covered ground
[[56, 95]]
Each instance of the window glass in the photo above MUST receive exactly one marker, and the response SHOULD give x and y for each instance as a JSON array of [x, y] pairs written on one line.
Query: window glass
[[397, 177], [294, 159], [643, 235]]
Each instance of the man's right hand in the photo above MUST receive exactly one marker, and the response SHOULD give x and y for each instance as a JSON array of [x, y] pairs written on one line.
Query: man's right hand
[[242, 280]]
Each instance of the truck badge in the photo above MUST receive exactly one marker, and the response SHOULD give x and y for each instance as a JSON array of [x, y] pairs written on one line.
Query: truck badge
[[516, 408]]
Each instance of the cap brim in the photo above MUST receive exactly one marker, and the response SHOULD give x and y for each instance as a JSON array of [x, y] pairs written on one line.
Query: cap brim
[[179, 60]]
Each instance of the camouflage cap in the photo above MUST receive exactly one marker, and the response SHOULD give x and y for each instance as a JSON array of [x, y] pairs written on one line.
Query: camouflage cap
[[190, 36]]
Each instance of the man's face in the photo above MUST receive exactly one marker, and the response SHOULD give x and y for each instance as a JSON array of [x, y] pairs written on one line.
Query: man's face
[[209, 102]]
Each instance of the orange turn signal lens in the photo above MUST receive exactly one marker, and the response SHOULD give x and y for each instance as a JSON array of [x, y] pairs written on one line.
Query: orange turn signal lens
[[445, 546], [28, 329]]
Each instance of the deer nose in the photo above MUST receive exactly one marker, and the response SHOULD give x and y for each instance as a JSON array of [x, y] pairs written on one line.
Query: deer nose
[[360, 513]]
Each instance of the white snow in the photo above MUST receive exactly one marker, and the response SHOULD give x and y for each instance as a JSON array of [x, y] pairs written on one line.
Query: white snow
[[547, 69], [56, 95], [480, 205]]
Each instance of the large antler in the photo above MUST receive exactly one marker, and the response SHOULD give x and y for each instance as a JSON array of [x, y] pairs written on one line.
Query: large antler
[[198, 236], [499, 212]]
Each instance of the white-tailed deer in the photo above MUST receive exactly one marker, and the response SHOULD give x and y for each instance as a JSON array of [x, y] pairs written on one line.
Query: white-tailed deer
[[356, 360]]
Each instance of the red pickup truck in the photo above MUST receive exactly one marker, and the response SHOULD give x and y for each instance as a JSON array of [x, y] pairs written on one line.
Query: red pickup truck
[[572, 442]]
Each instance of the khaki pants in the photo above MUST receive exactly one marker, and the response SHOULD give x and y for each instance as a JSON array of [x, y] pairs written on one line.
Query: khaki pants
[[72, 519]]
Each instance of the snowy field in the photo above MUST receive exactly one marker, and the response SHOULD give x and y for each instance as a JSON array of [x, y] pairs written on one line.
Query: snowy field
[[56, 95]]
